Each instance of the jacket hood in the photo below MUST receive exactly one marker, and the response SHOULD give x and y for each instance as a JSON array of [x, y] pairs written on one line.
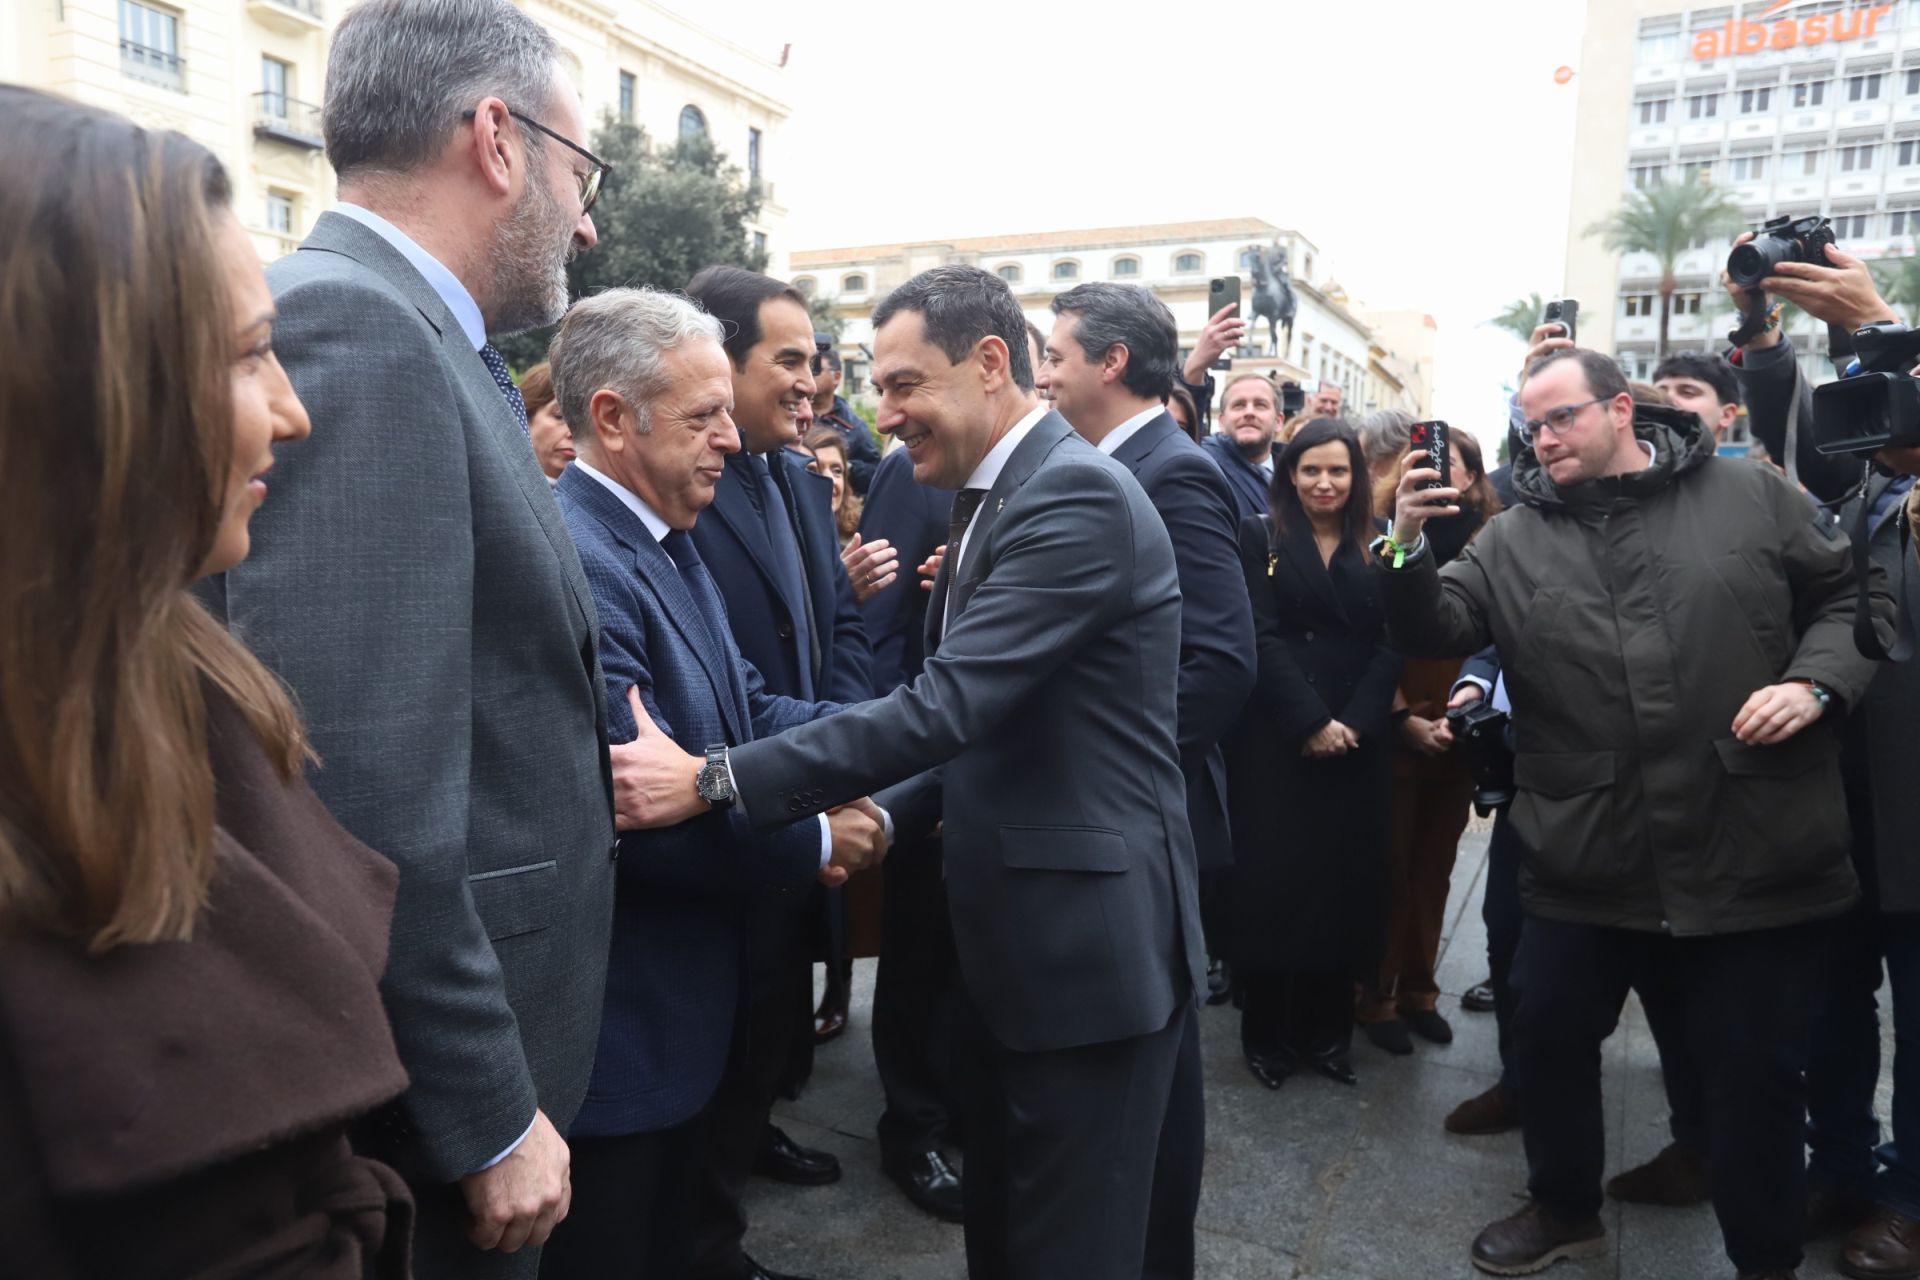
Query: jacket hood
[[1681, 443]]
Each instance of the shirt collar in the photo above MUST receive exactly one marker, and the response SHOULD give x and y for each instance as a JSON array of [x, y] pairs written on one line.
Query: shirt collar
[[655, 525], [444, 282], [1124, 432], [995, 462]]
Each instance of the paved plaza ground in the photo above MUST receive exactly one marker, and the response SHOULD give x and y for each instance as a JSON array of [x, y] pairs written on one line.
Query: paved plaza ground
[[1314, 1180]]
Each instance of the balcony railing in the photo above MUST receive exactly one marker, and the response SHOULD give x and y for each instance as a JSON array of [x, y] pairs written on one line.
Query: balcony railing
[[156, 66], [288, 15], [285, 119]]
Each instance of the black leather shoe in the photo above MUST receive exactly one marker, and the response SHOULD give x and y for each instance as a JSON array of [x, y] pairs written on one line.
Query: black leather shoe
[[1390, 1036], [755, 1271], [1533, 1240], [1429, 1026], [1219, 982], [1272, 1069], [928, 1180], [1332, 1062], [784, 1160]]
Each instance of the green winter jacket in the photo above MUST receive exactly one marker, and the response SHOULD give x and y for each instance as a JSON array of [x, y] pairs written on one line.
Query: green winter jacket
[[1634, 616]]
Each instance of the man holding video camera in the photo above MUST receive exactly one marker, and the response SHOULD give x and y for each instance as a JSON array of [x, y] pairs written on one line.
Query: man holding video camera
[[1677, 636], [1880, 1209]]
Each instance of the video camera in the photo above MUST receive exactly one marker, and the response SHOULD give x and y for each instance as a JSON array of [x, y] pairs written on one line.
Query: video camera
[[1880, 405], [1481, 730], [1781, 239]]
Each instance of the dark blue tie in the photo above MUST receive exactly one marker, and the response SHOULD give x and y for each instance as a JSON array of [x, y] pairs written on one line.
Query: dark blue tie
[[497, 366], [783, 532], [678, 544]]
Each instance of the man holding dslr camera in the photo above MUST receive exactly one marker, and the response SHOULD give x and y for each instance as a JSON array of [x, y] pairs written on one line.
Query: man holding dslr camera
[[1882, 1209], [1675, 629]]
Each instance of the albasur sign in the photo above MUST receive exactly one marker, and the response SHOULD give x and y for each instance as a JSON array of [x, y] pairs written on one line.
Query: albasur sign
[[1739, 36]]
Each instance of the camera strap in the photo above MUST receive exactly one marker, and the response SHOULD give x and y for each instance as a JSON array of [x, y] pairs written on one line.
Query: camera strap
[[1865, 638]]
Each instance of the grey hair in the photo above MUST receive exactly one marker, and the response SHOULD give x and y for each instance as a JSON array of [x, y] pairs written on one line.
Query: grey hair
[[617, 341], [401, 72], [1386, 434]]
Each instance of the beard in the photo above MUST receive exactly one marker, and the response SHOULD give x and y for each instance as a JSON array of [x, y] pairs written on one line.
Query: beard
[[530, 253], [1255, 450]]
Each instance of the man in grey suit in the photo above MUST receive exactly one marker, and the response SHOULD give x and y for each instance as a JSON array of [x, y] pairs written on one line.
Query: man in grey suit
[[416, 587], [1048, 707]]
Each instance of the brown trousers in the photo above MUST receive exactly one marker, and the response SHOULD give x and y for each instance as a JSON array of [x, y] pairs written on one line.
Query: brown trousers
[[1430, 805]]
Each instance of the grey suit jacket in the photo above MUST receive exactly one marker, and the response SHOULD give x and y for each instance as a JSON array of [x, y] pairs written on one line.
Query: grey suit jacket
[[1051, 703], [412, 580]]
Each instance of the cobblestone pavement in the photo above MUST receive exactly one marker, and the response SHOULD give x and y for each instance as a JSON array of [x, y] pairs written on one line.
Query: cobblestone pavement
[[1314, 1180]]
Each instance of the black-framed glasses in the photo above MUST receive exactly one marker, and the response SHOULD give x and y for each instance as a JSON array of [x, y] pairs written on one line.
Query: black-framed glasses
[[590, 180], [1558, 419]]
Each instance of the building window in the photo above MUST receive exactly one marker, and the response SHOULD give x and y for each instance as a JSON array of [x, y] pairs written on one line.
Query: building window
[[1700, 171], [760, 245], [1755, 102], [1903, 222], [1188, 262], [804, 286], [279, 213], [1808, 93], [1307, 274], [1653, 110], [1248, 257], [1125, 267], [626, 97], [1647, 175], [1858, 159], [1863, 88], [1640, 304], [855, 283], [1703, 106], [275, 79], [1750, 168], [150, 44], [1913, 79], [1686, 304], [753, 154], [1907, 152], [1800, 164], [1659, 45], [1010, 273], [1852, 226], [692, 123], [1066, 271]]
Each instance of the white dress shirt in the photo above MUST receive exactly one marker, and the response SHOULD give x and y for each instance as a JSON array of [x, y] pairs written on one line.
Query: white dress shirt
[[465, 310], [660, 529], [1124, 432]]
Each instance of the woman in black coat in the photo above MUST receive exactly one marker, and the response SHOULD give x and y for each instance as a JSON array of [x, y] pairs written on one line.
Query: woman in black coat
[[1308, 772]]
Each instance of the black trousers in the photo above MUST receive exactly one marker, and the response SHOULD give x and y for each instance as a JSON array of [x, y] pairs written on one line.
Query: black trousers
[[913, 996], [1743, 1005], [1295, 1013], [1179, 1165], [629, 1215], [1061, 1150]]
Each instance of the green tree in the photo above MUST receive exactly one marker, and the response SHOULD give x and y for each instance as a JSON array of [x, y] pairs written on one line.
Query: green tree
[[664, 213], [1899, 283], [1666, 220], [1521, 316], [825, 318]]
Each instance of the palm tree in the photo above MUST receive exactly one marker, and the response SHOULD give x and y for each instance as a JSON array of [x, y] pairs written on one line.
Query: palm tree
[[1521, 316], [1665, 220], [1899, 281]]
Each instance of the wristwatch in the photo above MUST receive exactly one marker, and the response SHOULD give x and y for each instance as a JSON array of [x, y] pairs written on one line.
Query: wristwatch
[[1821, 692], [715, 780]]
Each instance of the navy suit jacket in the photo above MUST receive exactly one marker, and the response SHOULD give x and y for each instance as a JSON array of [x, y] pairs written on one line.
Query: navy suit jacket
[[913, 517], [1216, 618], [676, 968], [734, 544], [1248, 483]]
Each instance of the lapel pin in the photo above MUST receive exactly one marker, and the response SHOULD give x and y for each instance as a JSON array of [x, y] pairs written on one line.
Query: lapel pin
[[999, 506]]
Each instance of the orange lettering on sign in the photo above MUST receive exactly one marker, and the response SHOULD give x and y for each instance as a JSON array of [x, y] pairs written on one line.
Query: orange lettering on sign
[[1785, 34], [1739, 36], [1814, 30]]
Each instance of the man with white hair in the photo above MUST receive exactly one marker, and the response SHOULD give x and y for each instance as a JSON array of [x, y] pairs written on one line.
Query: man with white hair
[[416, 587], [644, 383]]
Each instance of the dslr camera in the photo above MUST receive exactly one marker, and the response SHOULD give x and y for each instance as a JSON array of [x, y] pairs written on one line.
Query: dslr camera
[[1880, 405], [1782, 239], [1481, 729]]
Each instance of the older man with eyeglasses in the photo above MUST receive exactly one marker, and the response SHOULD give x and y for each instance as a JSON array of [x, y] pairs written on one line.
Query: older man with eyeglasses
[[1677, 635]]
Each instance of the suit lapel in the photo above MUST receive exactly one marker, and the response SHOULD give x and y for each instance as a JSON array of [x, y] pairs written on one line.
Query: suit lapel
[[1040, 441], [735, 510], [1138, 447], [1298, 547]]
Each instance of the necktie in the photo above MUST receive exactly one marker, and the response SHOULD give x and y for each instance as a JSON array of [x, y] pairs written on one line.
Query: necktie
[[497, 366], [678, 544], [783, 527], [966, 504]]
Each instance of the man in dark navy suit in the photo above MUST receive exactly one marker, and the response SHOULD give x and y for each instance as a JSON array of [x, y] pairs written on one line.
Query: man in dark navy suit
[[772, 548], [1111, 361], [1243, 447], [642, 380]]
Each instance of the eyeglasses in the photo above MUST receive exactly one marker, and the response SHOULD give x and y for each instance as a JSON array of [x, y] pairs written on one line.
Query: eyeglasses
[[1558, 420], [590, 180]]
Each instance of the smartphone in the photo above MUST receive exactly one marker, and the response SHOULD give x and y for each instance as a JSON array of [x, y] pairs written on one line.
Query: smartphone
[[1223, 291], [1435, 440], [1563, 312], [1293, 399]]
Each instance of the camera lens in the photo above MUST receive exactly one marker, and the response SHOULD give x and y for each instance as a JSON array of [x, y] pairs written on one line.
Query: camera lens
[[1755, 260]]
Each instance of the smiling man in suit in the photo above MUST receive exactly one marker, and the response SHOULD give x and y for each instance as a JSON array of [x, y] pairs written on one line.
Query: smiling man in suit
[[1111, 361], [642, 380], [1049, 698]]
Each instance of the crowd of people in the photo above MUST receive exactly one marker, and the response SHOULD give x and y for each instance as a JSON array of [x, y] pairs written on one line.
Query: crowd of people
[[422, 870]]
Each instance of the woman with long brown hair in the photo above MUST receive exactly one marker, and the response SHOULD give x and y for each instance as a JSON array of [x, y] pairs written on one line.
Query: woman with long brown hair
[[1307, 768], [189, 946]]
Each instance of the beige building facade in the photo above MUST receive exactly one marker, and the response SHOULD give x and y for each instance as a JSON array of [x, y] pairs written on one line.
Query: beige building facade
[[245, 78]]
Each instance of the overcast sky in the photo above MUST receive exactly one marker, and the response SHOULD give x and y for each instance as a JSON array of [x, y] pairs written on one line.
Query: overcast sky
[[1424, 146]]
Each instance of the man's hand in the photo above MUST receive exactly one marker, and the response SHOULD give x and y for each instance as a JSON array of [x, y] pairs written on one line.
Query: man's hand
[[1546, 337], [1749, 301], [1330, 739], [1776, 713], [929, 569], [1428, 737], [859, 841], [1468, 692], [1842, 294], [872, 566], [653, 779], [1414, 506], [520, 1200], [1223, 333]]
